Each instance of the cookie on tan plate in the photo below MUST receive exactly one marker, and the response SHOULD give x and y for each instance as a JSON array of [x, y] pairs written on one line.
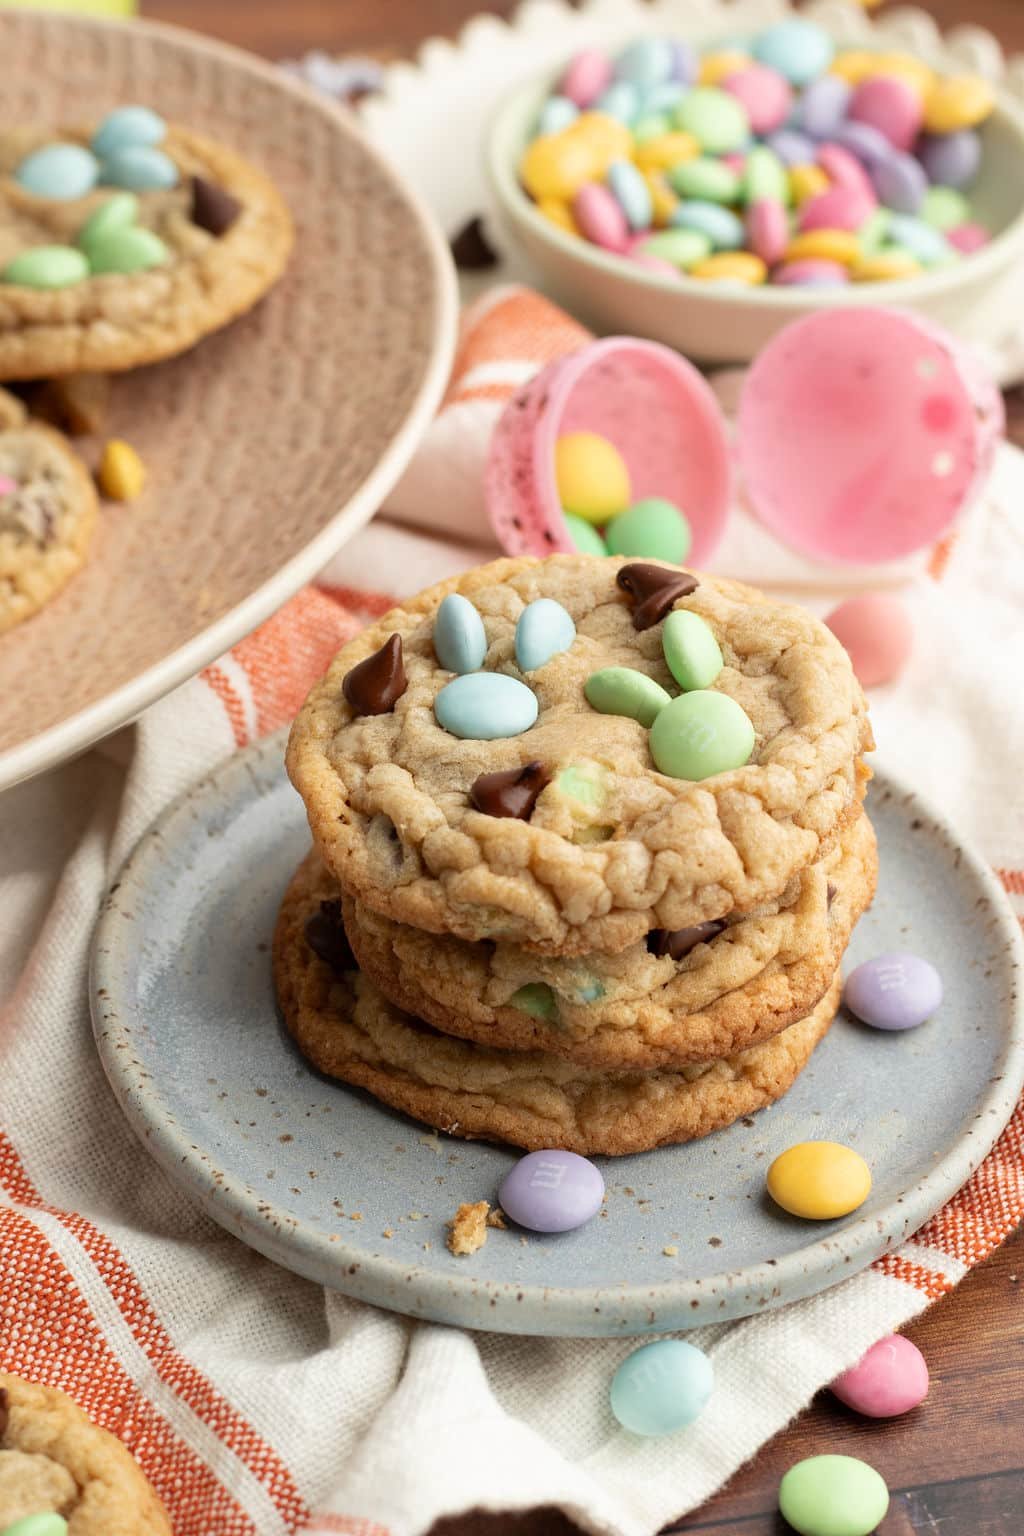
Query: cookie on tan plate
[[346, 1028], [126, 242], [692, 995], [55, 1461], [48, 511], [459, 777]]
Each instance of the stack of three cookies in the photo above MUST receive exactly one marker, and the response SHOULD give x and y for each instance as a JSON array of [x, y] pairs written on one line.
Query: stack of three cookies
[[519, 922]]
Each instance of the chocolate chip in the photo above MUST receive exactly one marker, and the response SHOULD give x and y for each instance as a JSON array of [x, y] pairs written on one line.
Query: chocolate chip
[[376, 684], [326, 937], [831, 892], [652, 590], [512, 792], [471, 250], [677, 942], [213, 209], [5, 1412]]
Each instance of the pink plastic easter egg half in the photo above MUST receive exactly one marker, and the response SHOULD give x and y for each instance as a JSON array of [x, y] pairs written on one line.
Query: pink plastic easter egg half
[[874, 629], [659, 412], [864, 433], [891, 1379]]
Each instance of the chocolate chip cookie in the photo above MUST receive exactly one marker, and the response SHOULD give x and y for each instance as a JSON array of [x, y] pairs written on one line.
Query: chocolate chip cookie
[[48, 511]]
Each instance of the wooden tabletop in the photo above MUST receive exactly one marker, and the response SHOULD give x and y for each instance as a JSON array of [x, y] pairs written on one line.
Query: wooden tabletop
[[956, 1465]]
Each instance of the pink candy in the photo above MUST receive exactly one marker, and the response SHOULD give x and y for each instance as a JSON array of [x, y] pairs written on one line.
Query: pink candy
[[586, 76], [968, 237], [654, 263], [838, 208], [813, 271], [600, 218], [891, 1379], [890, 105], [844, 169], [764, 93], [768, 229], [7, 485], [875, 631]]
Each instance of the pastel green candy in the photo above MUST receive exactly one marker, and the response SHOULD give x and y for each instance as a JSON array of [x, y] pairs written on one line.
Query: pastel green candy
[[59, 171], [833, 1496], [544, 629], [874, 232], [691, 650], [765, 176], [589, 991], [682, 247], [119, 211], [126, 127], [944, 208], [535, 998], [623, 691], [46, 266], [652, 529], [584, 535], [717, 120], [37, 1525], [651, 126], [140, 168], [130, 249], [485, 706], [709, 180], [584, 782], [700, 734], [460, 643]]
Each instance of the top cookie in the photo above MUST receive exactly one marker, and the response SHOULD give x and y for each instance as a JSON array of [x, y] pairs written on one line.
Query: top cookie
[[595, 846], [121, 250]]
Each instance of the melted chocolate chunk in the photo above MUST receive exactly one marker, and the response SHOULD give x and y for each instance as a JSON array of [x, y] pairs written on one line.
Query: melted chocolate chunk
[[376, 684], [652, 590], [213, 209], [677, 942], [4, 1412], [326, 937], [470, 248], [831, 892], [512, 792]]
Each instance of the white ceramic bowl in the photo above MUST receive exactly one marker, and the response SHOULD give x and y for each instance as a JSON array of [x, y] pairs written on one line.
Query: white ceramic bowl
[[977, 299]]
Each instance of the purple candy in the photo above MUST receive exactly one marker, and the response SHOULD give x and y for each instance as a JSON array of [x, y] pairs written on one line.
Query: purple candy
[[552, 1191], [950, 159], [823, 106], [900, 182], [897, 991], [792, 147], [686, 63], [811, 272], [864, 141]]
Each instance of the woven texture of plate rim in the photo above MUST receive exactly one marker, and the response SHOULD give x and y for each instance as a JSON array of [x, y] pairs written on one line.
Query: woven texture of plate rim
[[77, 729], [273, 1231]]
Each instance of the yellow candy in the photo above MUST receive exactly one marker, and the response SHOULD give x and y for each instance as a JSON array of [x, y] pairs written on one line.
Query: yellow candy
[[606, 137], [731, 266], [807, 181], [824, 245], [820, 1180], [122, 473], [559, 213], [557, 165], [663, 200], [665, 151], [716, 67], [853, 65], [960, 102], [884, 266], [591, 476], [915, 72]]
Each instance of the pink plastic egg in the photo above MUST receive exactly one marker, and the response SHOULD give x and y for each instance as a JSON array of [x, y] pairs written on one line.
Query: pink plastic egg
[[600, 218], [969, 237], [768, 229], [844, 169], [891, 1379], [764, 92], [838, 208], [890, 105], [586, 76], [875, 631]]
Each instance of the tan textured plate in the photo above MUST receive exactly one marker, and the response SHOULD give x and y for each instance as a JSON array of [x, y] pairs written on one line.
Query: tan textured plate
[[271, 442]]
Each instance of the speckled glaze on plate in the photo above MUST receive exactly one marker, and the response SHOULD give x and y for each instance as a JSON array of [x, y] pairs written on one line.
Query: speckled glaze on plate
[[187, 1028]]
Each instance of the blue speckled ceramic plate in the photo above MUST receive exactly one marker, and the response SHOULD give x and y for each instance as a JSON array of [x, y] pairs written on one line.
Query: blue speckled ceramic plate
[[188, 1031]]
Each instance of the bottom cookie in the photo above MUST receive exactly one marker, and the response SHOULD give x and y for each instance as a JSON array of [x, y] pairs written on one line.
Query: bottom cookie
[[48, 511], [346, 1028], [55, 1461]]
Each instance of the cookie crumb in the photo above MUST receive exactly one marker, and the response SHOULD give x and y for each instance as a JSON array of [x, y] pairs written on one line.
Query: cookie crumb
[[433, 1141], [496, 1218], [467, 1230], [387, 1232], [356, 1216], [670, 1250], [416, 1216]]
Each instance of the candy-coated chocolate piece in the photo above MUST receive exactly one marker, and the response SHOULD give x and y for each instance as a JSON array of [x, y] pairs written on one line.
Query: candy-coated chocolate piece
[[924, 242], [557, 113], [683, 248], [586, 75], [678, 942], [510, 791], [969, 237], [558, 213], [900, 183], [798, 49], [125, 250], [552, 1191], [600, 218], [764, 93], [833, 1496], [37, 1525], [767, 229], [840, 245], [629, 189], [653, 263], [646, 62], [867, 143], [805, 182], [885, 266], [666, 150], [819, 1180], [652, 590], [701, 734], [957, 102], [460, 643], [122, 474], [950, 159], [557, 165], [717, 120], [838, 208], [792, 147], [485, 706], [853, 65], [584, 536], [812, 272], [875, 630], [46, 266], [707, 179], [905, 66], [537, 999], [374, 686], [874, 232], [118, 212], [651, 529], [693, 654], [591, 475], [843, 169], [686, 65], [58, 171], [661, 1387], [721, 226], [624, 691], [543, 629], [140, 168], [606, 138], [126, 127], [944, 208], [890, 105], [621, 100], [765, 176], [823, 106], [895, 991], [720, 64], [892, 1378]]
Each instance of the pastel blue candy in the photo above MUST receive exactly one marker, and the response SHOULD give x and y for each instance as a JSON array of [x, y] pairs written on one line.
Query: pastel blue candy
[[664, 97], [60, 171], [460, 643], [631, 192], [661, 1387], [483, 706], [648, 61], [928, 244], [621, 100], [685, 62], [797, 49], [792, 146], [128, 126], [557, 113], [823, 106], [722, 227], [865, 141], [950, 159], [900, 183], [543, 630], [552, 1191], [140, 168]]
